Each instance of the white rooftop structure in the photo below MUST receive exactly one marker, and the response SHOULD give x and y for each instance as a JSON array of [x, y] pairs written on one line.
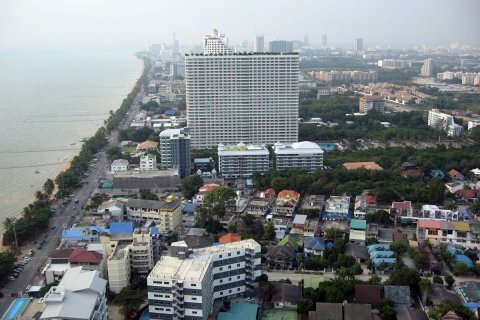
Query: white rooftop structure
[[303, 155], [337, 205], [79, 295], [242, 149], [300, 219]]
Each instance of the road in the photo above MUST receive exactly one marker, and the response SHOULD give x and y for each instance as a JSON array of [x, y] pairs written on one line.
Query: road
[[62, 219]]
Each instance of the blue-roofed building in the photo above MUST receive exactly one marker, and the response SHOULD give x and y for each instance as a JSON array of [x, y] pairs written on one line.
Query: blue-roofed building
[[454, 251], [121, 230], [437, 173], [170, 112], [240, 311], [461, 258], [314, 245], [72, 236], [465, 213], [378, 247], [381, 254], [189, 220]]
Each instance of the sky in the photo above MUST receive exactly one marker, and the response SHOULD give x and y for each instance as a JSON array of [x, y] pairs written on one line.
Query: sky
[[138, 23]]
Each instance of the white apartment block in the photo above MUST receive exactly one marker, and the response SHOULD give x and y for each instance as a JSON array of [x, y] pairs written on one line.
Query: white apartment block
[[249, 97], [394, 63], [444, 122], [473, 124], [259, 43], [427, 68], [241, 160], [303, 155], [215, 43], [118, 266], [119, 165], [185, 287], [148, 162], [80, 295]]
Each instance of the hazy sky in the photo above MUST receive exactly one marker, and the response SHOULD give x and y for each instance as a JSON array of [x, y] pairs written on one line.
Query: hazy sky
[[135, 23]]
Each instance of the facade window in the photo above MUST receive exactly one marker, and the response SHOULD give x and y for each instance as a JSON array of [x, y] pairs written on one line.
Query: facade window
[[194, 312], [194, 284], [238, 252], [194, 298]]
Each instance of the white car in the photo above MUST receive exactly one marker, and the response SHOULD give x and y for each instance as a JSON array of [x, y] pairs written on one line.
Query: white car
[[25, 259]]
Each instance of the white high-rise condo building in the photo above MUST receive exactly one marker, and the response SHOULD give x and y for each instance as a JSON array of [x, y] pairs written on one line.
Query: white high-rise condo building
[[444, 122], [186, 286], [304, 155], [240, 160], [249, 97], [215, 43], [427, 68], [358, 44], [259, 43]]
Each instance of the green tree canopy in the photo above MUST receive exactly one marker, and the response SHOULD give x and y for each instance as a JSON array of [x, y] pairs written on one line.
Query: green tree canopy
[[191, 185], [130, 302]]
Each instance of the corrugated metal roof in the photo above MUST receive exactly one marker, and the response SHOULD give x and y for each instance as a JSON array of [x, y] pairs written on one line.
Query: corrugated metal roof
[[461, 226]]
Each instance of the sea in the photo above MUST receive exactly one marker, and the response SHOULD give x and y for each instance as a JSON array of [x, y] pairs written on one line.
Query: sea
[[50, 100]]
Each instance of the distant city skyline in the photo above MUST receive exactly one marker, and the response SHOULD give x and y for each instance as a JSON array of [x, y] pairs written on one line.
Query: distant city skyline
[[65, 24]]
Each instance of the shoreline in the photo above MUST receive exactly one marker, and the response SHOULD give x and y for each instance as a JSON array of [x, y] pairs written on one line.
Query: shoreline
[[140, 73]]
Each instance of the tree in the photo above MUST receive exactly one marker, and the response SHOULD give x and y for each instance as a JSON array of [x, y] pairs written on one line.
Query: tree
[[130, 301], [449, 280], [191, 185], [399, 247], [218, 201], [146, 194], [48, 187], [305, 305], [437, 191], [460, 269], [405, 277], [114, 153], [460, 310], [475, 133], [425, 286], [7, 260], [387, 312], [375, 280], [269, 231], [437, 279]]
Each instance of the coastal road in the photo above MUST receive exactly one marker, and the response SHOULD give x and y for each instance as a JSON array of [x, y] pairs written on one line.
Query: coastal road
[[62, 219]]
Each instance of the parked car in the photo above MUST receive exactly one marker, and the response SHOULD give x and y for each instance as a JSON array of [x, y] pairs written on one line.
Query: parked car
[[53, 227], [26, 258], [11, 278]]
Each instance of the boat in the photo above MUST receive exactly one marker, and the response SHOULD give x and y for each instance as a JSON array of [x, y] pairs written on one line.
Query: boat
[[37, 172]]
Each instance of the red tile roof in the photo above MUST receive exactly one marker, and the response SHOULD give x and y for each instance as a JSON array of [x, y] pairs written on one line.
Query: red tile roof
[[84, 256], [230, 237], [402, 205], [269, 193], [453, 172], [466, 193], [289, 194], [371, 199], [208, 187], [365, 165], [430, 224]]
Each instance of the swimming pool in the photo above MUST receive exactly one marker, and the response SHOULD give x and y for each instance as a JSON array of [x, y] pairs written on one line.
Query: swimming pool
[[328, 146], [16, 308]]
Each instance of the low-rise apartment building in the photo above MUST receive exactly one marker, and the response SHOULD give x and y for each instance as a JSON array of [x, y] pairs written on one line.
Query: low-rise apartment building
[[119, 165], [337, 207], [238, 161], [186, 286], [372, 103], [303, 155], [148, 162], [464, 234], [167, 214]]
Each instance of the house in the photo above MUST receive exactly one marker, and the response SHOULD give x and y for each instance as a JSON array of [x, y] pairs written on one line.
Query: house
[[358, 252], [438, 293], [437, 173], [299, 222], [467, 195], [405, 313], [454, 186], [357, 311], [147, 146], [89, 260], [291, 241], [119, 165], [287, 201], [371, 200], [358, 231], [313, 246], [399, 295], [281, 255], [400, 237], [362, 165], [280, 225], [410, 170], [203, 191], [286, 295], [326, 311], [476, 172], [360, 207], [313, 202], [229, 237], [367, 293], [115, 207], [189, 217], [455, 175], [337, 207], [451, 315], [401, 209], [260, 203]]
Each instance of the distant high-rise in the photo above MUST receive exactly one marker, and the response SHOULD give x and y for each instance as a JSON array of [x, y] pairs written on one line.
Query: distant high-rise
[[175, 150], [258, 43], [305, 40], [324, 40], [281, 46], [427, 68], [175, 45], [358, 44], [215, 43]]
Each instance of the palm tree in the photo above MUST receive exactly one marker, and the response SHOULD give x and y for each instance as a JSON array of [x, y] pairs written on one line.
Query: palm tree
[[425, 286]]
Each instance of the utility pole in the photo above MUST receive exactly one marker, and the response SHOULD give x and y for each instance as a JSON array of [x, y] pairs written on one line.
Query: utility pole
[[15, 233]]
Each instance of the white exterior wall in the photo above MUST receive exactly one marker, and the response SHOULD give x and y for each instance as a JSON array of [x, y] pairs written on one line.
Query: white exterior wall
[[148, 163], [242, 97], [242, 161], [118, 270]]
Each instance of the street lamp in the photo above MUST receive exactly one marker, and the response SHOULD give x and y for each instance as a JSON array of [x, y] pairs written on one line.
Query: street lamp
[[15, 232]]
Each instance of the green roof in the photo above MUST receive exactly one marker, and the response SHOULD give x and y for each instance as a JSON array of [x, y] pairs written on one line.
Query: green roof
[[240, 311], [107, 185], [358, 224], [290, 241]]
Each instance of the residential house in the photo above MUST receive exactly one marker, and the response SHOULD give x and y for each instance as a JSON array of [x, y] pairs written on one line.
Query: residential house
[[362, 165], [167, 214], [476, 173], [326, 311], [286, 203], [299, 222], [337, 207], [356, 251], [260, 202], [399, 295], [454, 186], [358, 231], [405, 313], [410, 170], [367, 293], [451, 315], [189, 218], [401, 209], [281, 255], [114, 207], [437, 173], [455, 175], [360, 207], [462, 234], [286, 296], [281, 226], [88, 260], [313, 202], [371, 200], [467, 195], [119, 165], [203, 191], [230, 237], [313, 246], [147, 146], [196, 238], [438, 293], [357, 311]]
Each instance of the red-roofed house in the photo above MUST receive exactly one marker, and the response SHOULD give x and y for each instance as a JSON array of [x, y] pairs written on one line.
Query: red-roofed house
[[371, 200], [229, 237], [455, 175], [203, 191], [467, 195], [89, 260], [286, 203], [401, 209], [147, 146], [364, 165], [428, 230], [269, 193]]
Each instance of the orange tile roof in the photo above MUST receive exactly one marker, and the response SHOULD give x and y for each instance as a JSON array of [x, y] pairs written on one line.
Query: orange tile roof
[[466, 193], [84, 256], [288, 194], [430, 224], [269, 193], [147, 145], [230, 237], [365, 165], [370, 199], [453, 172], [208, 187]]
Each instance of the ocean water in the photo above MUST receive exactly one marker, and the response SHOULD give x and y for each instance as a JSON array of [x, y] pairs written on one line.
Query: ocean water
[[49, 102]]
